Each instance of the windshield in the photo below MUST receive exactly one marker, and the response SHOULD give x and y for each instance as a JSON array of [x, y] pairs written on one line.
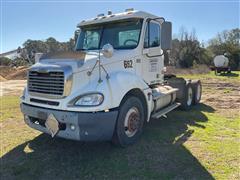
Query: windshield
[[121, 35]]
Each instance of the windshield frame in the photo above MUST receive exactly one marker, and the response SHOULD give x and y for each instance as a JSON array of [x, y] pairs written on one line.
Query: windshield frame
[[101, 27]]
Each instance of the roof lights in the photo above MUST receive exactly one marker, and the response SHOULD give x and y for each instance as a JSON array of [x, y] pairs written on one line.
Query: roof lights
[[100, 15], [129, 9]]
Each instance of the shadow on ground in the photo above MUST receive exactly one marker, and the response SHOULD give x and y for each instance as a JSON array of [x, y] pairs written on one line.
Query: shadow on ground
[[229, 74], [160, 154]]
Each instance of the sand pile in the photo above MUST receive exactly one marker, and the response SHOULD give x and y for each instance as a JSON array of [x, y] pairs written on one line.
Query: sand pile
[[2, 79], [13, 73]]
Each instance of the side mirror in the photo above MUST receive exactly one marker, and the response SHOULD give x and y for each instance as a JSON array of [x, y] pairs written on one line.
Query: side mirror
[[166, 35], [107, 50]]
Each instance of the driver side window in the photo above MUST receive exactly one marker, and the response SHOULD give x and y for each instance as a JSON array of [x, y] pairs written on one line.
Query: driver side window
[[128, 38], [152, 35]]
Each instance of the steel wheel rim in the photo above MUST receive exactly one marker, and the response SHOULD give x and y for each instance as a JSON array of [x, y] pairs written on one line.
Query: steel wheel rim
[[132, 122], [190, 95]]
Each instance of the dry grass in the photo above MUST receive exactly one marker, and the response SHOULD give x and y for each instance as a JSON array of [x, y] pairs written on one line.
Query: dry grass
[[200, 69]]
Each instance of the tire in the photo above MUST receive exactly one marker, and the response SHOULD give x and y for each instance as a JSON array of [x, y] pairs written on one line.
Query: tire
[[218, 72], [197, 92], [187, 100], [129, 124]]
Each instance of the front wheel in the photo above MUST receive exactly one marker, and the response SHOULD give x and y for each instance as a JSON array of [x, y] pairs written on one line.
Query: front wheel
[[129, 123]]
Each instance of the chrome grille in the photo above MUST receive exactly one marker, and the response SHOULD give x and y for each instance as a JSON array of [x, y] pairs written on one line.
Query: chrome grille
[[51, 83]]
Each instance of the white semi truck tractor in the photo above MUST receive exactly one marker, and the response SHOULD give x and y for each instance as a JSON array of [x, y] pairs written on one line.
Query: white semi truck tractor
[[110, 85]]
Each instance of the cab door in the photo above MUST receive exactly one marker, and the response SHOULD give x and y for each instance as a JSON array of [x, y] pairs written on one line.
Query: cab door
[[153, 60]]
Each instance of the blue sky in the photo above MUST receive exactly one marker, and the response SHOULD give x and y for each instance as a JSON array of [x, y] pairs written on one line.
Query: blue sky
[[22, 20]]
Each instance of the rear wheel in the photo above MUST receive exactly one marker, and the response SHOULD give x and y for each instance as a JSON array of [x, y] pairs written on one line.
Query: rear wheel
[[229, 71], [187, 98], [218, 72], [129, 123], [197, 92]]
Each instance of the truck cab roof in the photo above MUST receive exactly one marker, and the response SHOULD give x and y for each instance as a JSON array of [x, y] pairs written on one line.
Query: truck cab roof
[[114, 17]]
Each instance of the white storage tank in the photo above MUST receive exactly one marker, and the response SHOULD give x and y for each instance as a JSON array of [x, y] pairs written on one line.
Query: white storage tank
[[221, 61]]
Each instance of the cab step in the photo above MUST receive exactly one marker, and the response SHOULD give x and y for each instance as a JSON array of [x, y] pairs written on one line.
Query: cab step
[[164, 111]]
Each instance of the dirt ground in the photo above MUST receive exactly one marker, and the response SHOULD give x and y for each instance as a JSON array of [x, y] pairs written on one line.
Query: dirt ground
[[12, 87], [229, 98]]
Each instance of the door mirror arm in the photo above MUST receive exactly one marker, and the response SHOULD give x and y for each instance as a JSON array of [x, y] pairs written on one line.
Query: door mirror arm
[[76, 35]]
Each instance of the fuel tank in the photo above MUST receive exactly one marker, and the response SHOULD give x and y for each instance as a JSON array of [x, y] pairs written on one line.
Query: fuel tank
[[163, 96]]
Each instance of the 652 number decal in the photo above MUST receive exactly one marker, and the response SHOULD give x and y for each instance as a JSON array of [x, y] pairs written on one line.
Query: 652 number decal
[[128, 64]]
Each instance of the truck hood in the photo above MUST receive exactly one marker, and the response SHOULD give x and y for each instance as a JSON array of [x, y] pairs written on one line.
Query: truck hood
[[80, 61], [74, 59]]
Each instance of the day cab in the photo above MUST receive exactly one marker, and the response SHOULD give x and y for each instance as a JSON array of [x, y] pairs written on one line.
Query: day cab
[[110, 85]]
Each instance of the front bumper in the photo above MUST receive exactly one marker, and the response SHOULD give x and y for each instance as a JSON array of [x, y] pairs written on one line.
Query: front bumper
[[98, 126]]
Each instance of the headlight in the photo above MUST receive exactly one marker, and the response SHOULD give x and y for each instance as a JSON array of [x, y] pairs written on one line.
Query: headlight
[[89, 100]]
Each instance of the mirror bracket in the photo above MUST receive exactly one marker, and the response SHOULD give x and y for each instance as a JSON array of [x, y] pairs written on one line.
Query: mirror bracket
[[76, 35]]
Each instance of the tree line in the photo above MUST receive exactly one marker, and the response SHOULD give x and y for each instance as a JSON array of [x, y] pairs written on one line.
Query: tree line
[[186, 51]]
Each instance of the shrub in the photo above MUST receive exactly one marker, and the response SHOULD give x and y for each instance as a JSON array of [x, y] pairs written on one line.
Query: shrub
[[4, 61]]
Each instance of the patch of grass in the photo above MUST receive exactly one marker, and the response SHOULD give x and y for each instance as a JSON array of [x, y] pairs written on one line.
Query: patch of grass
[[233, 77], [9, 107], [220, 142], [227, 91]]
